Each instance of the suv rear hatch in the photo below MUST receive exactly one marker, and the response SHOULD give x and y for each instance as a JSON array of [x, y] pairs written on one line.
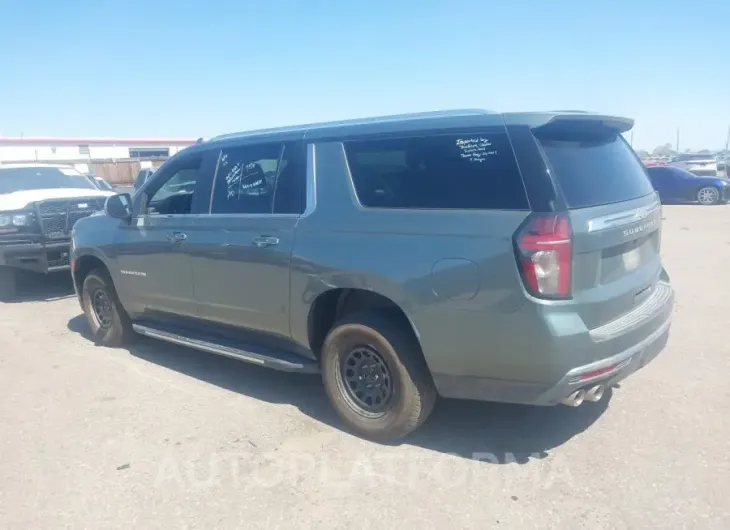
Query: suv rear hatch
[[614, 214]]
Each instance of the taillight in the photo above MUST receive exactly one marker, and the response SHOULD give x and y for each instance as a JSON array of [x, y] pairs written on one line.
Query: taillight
[[544, 246]]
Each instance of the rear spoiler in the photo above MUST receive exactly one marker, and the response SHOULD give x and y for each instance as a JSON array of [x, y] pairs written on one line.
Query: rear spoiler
[[592, 121], [549, 120]]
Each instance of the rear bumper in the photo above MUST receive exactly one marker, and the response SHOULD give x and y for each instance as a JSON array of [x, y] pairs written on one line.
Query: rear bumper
[[621, 366], [36, 256], [638, 347]]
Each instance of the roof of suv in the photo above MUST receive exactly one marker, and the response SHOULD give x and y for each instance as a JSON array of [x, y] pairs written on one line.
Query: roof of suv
[[354, 123], [451, 119]]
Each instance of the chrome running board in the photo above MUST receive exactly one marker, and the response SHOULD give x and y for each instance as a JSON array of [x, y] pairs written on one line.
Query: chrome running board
[[277, 360]]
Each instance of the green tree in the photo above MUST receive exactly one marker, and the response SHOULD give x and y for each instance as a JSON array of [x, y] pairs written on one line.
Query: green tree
[[663, 150]]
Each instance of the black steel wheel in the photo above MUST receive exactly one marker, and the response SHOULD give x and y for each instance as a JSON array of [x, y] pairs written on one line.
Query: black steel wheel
[[108, 321], [375, 375], [366, 381], [101, 304]]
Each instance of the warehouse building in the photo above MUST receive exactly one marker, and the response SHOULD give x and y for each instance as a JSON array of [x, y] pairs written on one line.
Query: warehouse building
[[115, 159], [87, 150]]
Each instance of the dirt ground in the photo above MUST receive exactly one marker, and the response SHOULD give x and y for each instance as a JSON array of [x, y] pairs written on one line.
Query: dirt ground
[[163, 437]]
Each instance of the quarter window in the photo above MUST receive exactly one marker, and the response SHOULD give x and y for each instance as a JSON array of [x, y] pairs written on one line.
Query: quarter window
[[454, 171]]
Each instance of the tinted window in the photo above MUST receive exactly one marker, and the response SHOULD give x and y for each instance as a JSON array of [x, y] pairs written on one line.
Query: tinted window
[[142, 177], [459, 171], [659, 175], [246, 179], [41, 178], [594, 167], [290, 191], [175, 195], [679, 173]]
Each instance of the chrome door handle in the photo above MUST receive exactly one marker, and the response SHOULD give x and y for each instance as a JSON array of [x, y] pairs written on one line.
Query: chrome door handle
[[176, 237], [265, 241]]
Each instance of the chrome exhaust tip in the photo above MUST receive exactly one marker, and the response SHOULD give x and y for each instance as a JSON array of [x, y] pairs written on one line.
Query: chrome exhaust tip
[[575, 399], [595, 393]]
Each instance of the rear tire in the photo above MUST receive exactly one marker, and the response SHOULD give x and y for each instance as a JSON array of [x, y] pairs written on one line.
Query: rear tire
[[108, 322], [376, 377], [708, 195], [8, 284]]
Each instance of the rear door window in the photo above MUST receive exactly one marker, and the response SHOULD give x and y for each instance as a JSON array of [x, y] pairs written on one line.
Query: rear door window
[[452, 171], [593, 167]]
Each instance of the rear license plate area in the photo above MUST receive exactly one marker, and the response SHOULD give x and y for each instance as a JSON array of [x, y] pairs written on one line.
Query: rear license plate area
[[628, 257]]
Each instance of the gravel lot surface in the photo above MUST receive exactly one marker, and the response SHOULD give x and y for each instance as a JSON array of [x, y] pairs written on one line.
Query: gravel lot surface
[[164, 437]]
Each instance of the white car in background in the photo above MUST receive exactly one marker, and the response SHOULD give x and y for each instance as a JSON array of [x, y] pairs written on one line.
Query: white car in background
[[702, 165]]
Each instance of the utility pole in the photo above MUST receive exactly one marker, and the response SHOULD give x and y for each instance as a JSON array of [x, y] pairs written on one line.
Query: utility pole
[[677, 149], [727, 142]]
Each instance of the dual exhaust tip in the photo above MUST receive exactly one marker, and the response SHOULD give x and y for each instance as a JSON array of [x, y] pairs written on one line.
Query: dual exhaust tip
[[593, 394]]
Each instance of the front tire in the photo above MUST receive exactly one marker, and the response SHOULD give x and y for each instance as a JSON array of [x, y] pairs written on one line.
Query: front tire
[[108, 322], [708, 195], [8, 284], [375, 376]]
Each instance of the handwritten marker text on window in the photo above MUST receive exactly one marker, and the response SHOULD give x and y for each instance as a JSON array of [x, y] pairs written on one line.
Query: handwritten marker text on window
[[475, 149]]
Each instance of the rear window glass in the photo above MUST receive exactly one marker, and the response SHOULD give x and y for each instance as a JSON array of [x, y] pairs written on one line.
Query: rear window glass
[[594, 168], [455, 171]]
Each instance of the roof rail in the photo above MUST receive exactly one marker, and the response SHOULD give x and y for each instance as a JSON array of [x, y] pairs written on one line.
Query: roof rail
[[357, 121]]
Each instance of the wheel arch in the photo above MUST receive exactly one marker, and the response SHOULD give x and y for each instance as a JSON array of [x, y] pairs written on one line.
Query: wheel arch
[[331, 305], [83, 265]]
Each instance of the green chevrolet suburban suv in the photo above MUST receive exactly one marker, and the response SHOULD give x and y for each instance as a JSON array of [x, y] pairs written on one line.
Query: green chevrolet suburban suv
[[467, 254]]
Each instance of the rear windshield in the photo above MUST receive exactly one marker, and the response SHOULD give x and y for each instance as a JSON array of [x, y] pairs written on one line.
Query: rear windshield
[[594, 167]]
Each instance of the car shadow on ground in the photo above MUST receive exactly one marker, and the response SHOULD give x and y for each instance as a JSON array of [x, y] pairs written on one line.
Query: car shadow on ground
[[33, 287], [491, 432]]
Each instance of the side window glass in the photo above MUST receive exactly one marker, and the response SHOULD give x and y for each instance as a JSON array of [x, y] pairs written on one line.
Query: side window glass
[[291, 185], [175, 196], [672, 174], [454, 171], [246, 179]]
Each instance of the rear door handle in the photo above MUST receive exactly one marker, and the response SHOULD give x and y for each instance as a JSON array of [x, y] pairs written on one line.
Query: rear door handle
[[265, 241], [176, 237]]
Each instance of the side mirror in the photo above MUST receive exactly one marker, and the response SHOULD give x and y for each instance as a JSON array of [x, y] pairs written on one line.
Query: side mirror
[[119, 206]]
